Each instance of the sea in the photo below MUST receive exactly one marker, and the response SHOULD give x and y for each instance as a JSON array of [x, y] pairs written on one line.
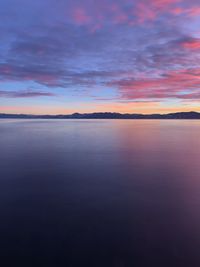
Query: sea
[[99, 193]]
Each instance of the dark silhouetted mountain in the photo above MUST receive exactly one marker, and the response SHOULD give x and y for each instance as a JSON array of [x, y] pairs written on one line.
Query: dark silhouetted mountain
[[105, 115]]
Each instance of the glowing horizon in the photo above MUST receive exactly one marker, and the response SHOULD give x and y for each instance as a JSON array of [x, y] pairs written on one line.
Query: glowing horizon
[[127, 56]]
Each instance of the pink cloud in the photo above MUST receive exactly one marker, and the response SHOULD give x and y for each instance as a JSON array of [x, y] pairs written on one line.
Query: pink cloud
[[194, 11], [143, 13], [181, 84], [92, 13], [193, 44], [80, 16], [162, 4], [177, 11], [151, 9]]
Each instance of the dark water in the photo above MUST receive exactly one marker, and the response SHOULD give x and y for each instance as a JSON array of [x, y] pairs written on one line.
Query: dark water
[[99, 193]]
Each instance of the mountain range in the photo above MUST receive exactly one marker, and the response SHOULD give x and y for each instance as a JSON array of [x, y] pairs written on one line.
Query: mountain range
[[105, 115]]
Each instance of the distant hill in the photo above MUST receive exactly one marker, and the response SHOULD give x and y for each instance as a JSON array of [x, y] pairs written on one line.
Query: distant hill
[[105, 115]]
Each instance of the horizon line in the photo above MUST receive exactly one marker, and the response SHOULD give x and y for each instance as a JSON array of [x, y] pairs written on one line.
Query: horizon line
[[98, 112]]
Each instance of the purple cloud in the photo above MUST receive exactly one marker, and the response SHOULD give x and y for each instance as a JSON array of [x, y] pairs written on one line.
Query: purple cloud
[[141, 49], [24, 94]]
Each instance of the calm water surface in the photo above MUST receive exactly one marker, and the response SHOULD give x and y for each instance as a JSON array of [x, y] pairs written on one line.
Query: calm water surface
[[103, 193]]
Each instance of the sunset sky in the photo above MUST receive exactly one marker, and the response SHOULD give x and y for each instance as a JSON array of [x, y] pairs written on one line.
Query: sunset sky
[[65, 56]]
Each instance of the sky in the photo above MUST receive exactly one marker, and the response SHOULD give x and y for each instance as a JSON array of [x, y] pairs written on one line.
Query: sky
[[128, 56]]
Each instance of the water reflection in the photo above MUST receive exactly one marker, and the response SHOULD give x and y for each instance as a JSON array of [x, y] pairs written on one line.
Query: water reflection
[[100, 192]]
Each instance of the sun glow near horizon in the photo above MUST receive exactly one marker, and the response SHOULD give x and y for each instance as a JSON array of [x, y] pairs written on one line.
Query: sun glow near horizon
[[132, 56]]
